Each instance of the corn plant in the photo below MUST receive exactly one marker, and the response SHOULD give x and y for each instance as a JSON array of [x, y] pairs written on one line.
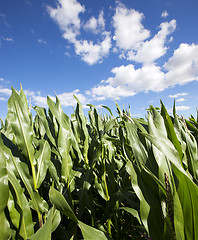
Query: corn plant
[[96, 177]]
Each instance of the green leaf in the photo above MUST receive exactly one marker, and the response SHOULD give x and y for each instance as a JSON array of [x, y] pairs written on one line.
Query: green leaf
[[61, 204], [109, 125], [144, 206], [171, 131], [4, 189], [186, 189], [84, 196], [132, 212], [21, 170], [6, 232], [41, 112], [178, 217], [82, 128], [43, 158], [108, 109], [138, 148], [90, 233], [20, 120], [150, 205], [44, 232], [64, 143], [63, 121], [23, 222]]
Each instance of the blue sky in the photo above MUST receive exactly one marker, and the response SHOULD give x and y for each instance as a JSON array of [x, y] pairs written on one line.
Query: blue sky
[[135, 52]]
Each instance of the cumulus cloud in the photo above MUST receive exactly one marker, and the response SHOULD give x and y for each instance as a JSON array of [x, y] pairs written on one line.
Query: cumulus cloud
[[133, 42], [92, 53], [129, 31], [128, 81], [66, 15], [95, 25], [153, 49], [67, 99], [182, 67]]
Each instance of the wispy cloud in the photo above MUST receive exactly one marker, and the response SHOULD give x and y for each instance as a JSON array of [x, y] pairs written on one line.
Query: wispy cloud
[[181, 100], [5, 91], [3, 18], [178, 95], [3, 99], [42, 41], [164, 14], [8, 39], [182, 108]]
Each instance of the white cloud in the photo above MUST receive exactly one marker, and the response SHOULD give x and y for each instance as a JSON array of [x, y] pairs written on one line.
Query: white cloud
[[3, 99], [149, 51], [178, 95], [3, 18], [103, 92], [182, 67], [95, 25], [164, 14], [182, 108], [66, 15], [181, 100], [5, 91], [42, 41], [40, 101], [8, 39], [179, 108], [128, 81], [66, 99], [129, 31], [30, 93], [92, 53]]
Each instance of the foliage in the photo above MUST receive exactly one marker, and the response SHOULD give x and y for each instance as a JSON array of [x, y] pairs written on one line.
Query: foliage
[[101, 177]]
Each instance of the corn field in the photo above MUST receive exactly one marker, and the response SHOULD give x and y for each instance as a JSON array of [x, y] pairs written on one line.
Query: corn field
[[98, 177]]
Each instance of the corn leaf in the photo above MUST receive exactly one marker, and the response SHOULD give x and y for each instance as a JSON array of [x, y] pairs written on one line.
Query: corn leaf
[[61, 204], [4, 189], [90, 233], [43, 158]]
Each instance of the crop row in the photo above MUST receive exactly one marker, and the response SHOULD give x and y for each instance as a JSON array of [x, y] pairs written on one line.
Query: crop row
[[97, 177]]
